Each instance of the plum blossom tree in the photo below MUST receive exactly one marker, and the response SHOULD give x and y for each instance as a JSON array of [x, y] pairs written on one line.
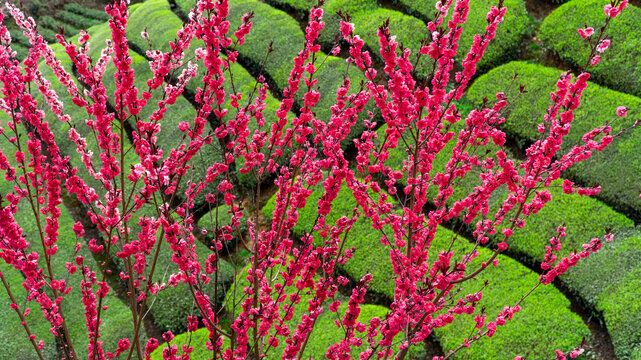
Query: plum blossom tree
[[129, 209]]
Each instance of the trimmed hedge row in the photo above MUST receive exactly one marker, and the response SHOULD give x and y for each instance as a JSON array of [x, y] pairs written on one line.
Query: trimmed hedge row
[[410, 28], [544, 324], [173, 304], [598, 106], [78, 116], [52, 24], [325, 331], [609, 281], [324, 335], [368, 17], [243, 81], [288, 39], [79, 21], [585, 218], [620, 67], [517, 338], [511, 32], [18, 38], [87, 12], [17, 346], [169, 136], [16, 341], [270, 24]]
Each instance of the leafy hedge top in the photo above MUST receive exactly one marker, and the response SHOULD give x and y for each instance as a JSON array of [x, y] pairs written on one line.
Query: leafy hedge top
[[544, 324], [608, 281], [159, 11], [17, 345], [269, 25], [585, 218], [598, 105], [514, 339], [620, 66], [409, 24]]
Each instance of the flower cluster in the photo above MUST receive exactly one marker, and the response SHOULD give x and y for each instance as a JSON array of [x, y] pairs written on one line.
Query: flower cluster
[[127, 212]]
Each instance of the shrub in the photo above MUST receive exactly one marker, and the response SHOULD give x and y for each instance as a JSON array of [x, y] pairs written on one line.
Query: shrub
[[599, 105], [621, 68], [86, 12], [510, 274], [281, 29], [165, 151], [79, 21]]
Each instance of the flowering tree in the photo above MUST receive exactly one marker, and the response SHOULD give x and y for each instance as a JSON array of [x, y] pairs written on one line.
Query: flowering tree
[[132, 195]]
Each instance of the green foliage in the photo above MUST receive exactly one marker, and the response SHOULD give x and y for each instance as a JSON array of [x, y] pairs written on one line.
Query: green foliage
[[87, 12], [18, 38], [367, 17], [370, 255], [36, 7], [185, 5], [21, 51], [544, 324], [585, 218], [52, 24], [288, 39], [161, 24], [216, 218], [269, 25], [620, 66], [608, 282], [173, 304], [79, 21], [556, 326], [300, 8], [622, 309], [325, 331], [115, 318], [160, 12], [598, 106]]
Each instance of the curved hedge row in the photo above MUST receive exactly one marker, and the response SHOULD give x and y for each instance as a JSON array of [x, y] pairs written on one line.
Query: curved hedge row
[[269, 25], [173, 304], [118, 318], [609, 281], [159, 12], [79, 21], [324, 335], [87, 12], [17, 345], [368, 17], [544, 324], [517, 338], [11, 330], [410, 28], [598, 105], [325, 331], [620, 67], [585, 218]]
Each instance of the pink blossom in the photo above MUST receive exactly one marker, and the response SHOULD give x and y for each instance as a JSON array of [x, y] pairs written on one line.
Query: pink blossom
[[622, 111]]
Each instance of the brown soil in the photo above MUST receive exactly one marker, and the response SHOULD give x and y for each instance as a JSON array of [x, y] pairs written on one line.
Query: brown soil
[[539, 9]]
